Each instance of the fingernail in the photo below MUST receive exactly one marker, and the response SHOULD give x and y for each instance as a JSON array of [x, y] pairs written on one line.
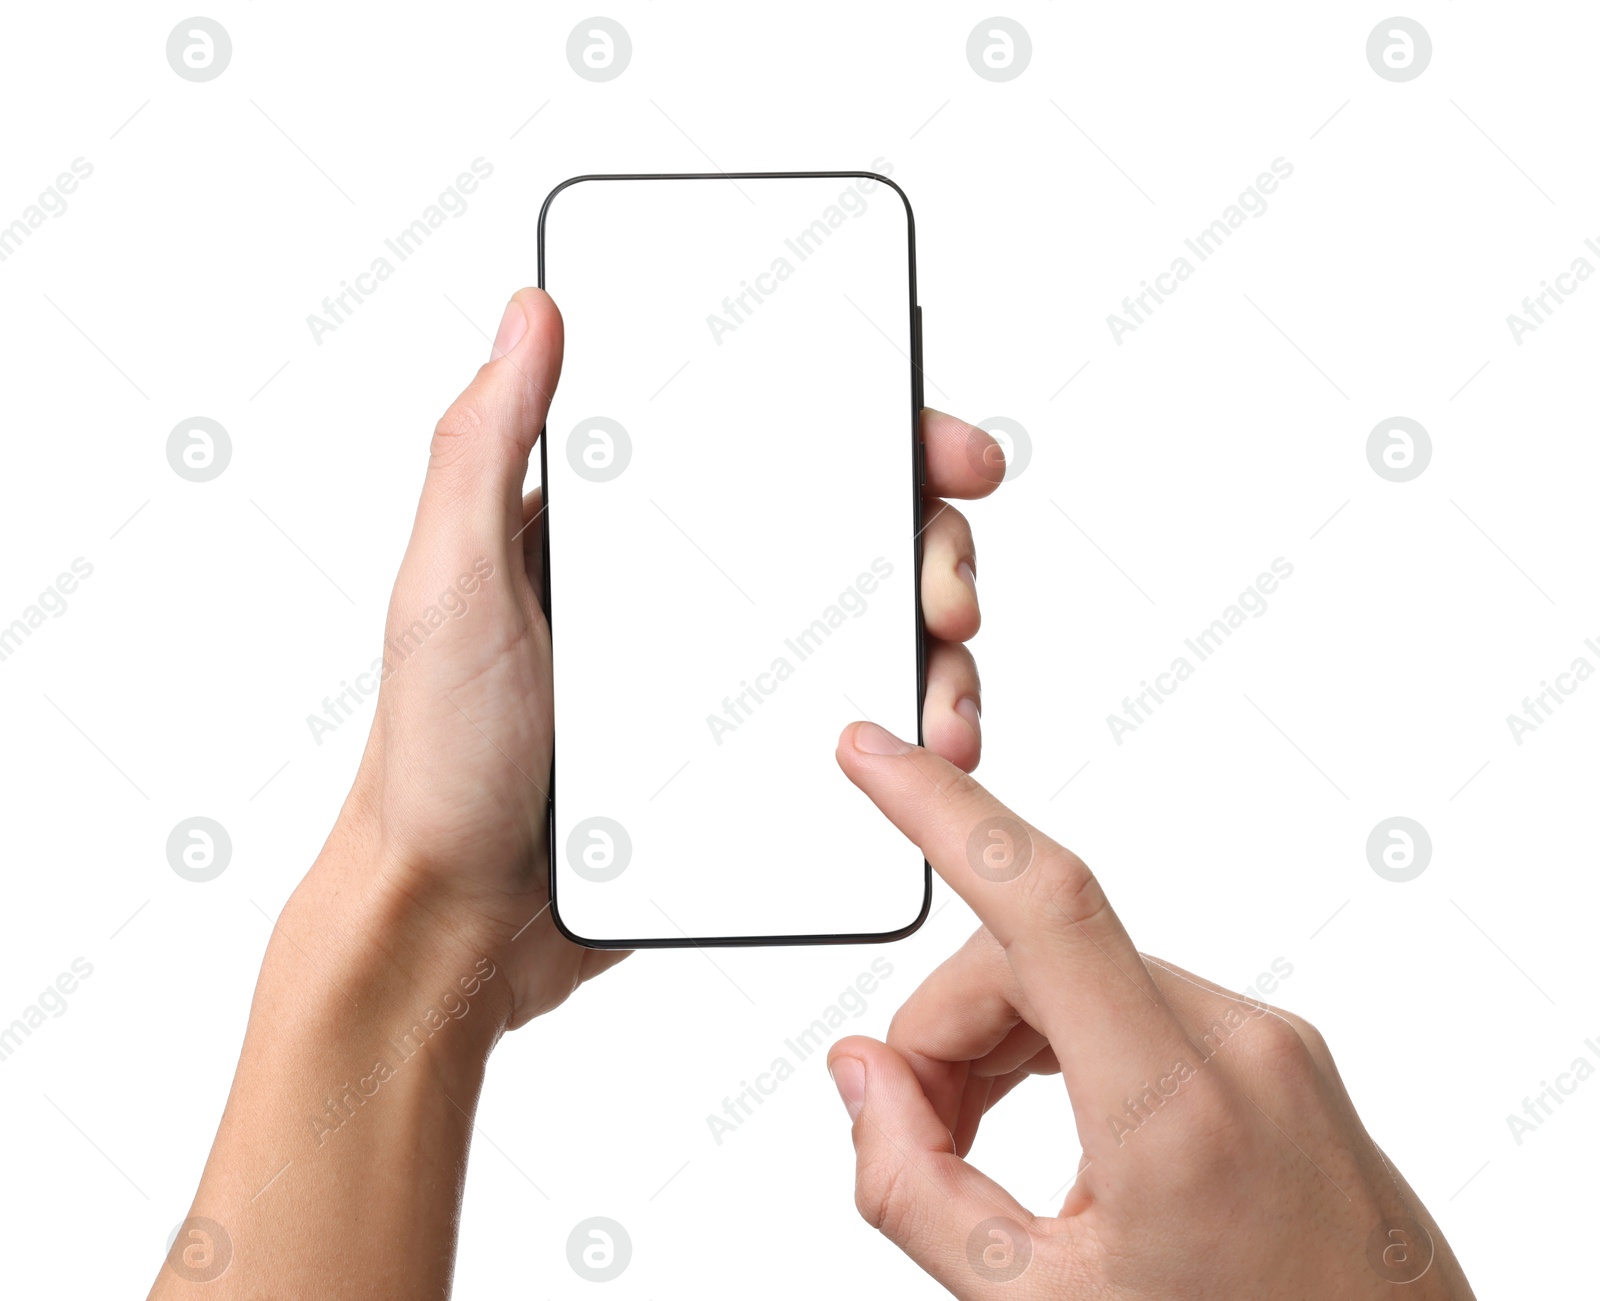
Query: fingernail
[[513, 325], [872, 739], [850, 1078], [967, 707], [967, 576]]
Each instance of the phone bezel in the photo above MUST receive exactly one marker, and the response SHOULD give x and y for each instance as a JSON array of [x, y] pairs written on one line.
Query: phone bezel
[[918, 476]]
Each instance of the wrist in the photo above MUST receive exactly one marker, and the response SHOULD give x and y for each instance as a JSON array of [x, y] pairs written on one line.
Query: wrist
[[391, 965], [366, 1049]]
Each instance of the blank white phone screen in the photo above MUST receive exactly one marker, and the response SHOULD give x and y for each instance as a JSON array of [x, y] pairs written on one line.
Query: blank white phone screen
[[730, 470]]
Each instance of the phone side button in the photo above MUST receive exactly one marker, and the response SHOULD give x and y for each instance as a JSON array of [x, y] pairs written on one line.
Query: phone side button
[[916, 360]]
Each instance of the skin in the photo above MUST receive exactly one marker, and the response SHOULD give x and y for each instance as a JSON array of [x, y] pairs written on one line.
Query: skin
[[422, 933], [1222, 1157]]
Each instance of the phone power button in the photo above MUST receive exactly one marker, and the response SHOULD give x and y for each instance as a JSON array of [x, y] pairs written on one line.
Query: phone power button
[[916, 359]]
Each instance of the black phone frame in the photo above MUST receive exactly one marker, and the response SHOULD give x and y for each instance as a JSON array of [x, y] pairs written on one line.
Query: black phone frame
[[919, 476]]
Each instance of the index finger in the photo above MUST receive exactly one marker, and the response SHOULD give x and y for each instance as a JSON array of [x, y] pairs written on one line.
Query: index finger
[[1103, 1014]]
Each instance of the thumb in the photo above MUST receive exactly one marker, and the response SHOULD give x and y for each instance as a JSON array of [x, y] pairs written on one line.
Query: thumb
[[951, 1218], [472, 497]]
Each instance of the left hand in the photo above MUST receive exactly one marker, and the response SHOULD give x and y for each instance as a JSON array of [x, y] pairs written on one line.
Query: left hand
[[450, 798], [423, 931]]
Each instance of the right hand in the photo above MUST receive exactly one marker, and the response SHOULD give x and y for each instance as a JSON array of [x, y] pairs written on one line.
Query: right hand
[[1222, 1156]]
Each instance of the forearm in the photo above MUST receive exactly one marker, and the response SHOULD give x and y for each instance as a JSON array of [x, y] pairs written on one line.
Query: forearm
[[338, 1165]]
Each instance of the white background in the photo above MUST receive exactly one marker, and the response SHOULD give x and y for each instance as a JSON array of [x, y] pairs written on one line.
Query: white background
[[1167, 471]]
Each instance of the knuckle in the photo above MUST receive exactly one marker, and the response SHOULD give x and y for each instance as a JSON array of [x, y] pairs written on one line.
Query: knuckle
[[1313, 1040], [1062, 891], [1309, 1034], [454, 429], [955, 787], [883, 1197], [1280, 1053]]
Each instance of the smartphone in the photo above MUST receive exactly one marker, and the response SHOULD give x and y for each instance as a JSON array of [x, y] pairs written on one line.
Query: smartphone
[[732, 471]]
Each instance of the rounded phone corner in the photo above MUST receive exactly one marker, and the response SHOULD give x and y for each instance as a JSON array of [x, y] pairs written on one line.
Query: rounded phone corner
[[880, 179], [915, 924], [544, 208], [582, 941]]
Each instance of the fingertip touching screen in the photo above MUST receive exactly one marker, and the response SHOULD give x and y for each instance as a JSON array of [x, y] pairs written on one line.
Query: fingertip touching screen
[[730, 469]]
